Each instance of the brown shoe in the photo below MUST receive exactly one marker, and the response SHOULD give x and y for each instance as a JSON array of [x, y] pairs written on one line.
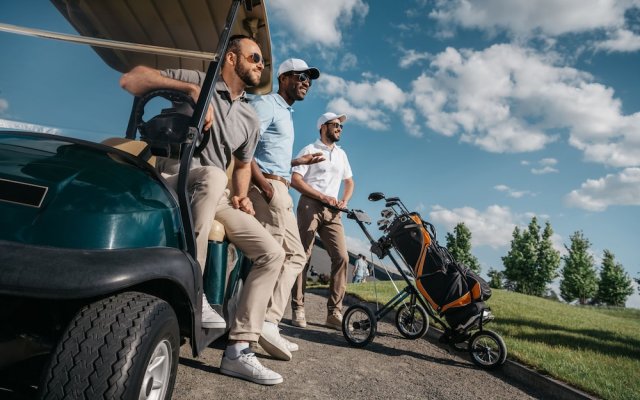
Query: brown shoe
[[298, 318], [334, 320]]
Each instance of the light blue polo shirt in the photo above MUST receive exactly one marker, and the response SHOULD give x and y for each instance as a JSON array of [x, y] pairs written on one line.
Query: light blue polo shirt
[[275, 148]]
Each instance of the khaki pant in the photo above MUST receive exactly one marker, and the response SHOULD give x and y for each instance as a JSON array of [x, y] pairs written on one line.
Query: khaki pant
[[278, 218], [206, 186], [210, 197], [314, 217]]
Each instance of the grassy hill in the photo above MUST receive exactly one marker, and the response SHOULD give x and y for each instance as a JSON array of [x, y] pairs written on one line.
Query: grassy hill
[[596, 349]]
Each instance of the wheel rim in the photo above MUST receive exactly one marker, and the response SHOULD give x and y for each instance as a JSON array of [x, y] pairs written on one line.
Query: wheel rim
[[485, 350], [358, 326], [411, 320], [158, 373]]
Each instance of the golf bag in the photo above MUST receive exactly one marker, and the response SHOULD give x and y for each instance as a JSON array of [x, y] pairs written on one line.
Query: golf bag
[[451, 288]]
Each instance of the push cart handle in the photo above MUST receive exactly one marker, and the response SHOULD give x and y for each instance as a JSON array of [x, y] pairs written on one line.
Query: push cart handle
[[357, 215]]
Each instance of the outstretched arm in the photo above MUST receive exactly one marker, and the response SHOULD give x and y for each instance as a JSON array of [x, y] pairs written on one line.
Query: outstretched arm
[[142, 79], [307, 159]]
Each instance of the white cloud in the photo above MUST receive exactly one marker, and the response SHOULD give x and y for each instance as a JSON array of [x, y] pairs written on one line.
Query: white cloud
[[543, 170], [4, 105], [318, 22], [24, 126], [372, 118], [526, 18], [621, 40], [516, 194], [506, 98], [492, 227], [411, 57], [348, 61], [369, 102], [546, 166], [613, 189]]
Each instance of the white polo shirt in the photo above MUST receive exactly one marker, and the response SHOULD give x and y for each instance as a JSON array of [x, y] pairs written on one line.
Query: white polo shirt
[[327, 175]]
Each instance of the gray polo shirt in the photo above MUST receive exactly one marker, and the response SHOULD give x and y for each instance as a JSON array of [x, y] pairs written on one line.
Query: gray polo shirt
[[236, 127]]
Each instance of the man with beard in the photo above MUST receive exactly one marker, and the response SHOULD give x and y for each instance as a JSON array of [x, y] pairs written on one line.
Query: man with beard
[[270, 191], [235, 132], [319, 185]]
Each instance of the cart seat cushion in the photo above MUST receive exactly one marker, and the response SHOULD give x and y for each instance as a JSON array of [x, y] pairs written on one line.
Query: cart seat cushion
[[136, 148], [217, 232]]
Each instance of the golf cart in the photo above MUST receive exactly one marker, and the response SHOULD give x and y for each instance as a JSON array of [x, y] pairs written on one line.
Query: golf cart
[[99, 283]]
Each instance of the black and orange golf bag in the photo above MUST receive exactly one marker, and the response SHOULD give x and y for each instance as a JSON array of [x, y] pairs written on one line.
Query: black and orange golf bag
[[452, 289]]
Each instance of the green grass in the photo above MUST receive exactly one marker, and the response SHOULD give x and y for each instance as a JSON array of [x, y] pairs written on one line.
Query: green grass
[[592, 348]]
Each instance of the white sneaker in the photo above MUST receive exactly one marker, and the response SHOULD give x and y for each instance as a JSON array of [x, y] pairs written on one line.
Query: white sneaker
[[273, 343], [210, 318], [290, 345], [247, 366]]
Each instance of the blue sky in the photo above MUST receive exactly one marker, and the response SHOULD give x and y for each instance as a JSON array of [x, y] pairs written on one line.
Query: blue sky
[[487, 112]]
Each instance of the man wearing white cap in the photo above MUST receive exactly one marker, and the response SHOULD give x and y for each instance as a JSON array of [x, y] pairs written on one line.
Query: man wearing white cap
[[269, 192], [319, 185]]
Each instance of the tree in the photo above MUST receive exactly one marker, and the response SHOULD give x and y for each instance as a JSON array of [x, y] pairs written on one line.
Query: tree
[[532, 262], [460, 247], [614, 286], [495, 279], [638, 282], [579, 280]]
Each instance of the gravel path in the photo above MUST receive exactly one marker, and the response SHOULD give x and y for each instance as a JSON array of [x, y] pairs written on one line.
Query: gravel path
[[326, 367]]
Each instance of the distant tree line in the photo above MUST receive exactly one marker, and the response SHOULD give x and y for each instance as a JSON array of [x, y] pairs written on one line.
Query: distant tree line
[[532, 263]]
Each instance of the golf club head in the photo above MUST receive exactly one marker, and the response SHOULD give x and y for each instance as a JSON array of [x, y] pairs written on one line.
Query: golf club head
[[375, 196], [387, 213]]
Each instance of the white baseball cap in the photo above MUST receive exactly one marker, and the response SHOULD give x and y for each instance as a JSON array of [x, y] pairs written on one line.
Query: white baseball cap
[[298, 65], [328, 116]]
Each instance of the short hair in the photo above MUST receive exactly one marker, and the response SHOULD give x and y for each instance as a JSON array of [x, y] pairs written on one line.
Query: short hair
[[234, 43]]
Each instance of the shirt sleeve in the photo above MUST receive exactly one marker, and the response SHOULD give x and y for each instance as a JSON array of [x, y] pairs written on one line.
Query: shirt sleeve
[[185, 75], [347, 168], [302, 169], [265, 111]]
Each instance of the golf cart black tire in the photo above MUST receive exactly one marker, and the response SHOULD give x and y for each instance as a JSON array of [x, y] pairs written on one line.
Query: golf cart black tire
[[372, 327], [500, 358], [400, 325], [106, 349]]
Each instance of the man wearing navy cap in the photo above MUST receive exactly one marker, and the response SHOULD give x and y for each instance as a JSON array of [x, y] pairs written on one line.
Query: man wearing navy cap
[[269, 192]]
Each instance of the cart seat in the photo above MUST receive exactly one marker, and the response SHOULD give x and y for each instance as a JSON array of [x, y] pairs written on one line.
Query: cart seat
[[136, 148], [217, 232]]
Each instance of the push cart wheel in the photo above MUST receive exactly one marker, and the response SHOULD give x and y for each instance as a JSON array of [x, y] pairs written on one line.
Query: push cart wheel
[[412, 321], [359, 325], [487, 349]]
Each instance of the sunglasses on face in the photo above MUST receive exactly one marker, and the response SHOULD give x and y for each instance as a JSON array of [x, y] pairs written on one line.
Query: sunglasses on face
[[334, 124], [255, 58], [302, 77]]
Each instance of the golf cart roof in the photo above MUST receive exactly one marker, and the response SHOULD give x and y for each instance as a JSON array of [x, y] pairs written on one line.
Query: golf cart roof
[[189, 25]]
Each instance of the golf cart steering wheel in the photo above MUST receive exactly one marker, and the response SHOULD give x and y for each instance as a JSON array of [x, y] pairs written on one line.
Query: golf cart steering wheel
[[167, 131]]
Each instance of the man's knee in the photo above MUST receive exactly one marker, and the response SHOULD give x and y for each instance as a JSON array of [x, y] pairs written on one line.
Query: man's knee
[[272, 257]]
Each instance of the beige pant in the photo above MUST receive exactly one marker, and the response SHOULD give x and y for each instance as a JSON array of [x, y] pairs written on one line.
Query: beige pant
[[210, 197], [278, 218], [206, 186], [314, 217]]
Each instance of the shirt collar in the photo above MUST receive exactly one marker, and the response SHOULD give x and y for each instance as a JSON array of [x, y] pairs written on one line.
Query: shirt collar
[[324, 146], [221, 87], [281, 101]]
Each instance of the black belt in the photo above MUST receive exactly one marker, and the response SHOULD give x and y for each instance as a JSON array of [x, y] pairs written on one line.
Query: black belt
[[277, 178]]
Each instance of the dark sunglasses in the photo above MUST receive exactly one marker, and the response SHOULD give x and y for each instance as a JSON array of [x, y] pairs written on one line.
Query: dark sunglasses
[[335, 124], [255, 58], [302, 77]]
